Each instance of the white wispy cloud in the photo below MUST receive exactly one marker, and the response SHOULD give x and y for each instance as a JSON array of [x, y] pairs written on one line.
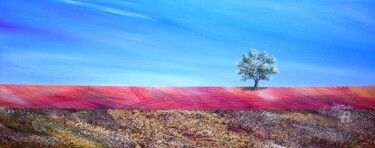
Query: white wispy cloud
[[43, 56], [109, 9]]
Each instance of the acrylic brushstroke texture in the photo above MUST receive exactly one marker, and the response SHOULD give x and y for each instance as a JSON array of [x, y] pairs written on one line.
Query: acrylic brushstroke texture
[[185, 43], [190, 98]]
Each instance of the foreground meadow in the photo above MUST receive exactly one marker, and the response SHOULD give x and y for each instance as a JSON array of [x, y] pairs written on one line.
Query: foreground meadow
[[194, 128]]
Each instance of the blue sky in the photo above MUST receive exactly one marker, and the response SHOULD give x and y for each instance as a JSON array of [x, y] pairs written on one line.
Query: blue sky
[[185, 43]]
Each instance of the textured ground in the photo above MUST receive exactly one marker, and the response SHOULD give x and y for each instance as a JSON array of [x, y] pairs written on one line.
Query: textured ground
[[191, 98], [210, 128]]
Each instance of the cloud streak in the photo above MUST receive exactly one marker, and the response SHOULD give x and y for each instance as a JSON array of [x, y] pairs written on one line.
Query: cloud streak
[[109, 9]]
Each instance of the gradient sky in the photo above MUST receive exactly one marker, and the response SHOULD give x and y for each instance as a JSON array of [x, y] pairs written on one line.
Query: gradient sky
[[185, 43]]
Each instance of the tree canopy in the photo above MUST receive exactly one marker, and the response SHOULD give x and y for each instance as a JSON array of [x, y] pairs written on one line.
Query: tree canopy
[[256, 66]]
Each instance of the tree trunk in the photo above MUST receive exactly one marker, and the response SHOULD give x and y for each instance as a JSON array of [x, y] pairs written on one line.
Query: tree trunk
[[255, 84]]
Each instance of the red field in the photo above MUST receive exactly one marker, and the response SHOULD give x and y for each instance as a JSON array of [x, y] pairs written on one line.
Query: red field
[[190, 98]]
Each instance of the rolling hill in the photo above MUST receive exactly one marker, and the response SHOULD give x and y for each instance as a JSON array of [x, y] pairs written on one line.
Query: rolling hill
[[185, 98]]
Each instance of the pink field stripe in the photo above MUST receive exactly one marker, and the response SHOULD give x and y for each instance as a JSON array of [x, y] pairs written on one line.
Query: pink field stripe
[[184, 98]]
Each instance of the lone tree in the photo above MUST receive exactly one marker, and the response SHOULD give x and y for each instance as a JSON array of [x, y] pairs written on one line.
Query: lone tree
[[256, 66]]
